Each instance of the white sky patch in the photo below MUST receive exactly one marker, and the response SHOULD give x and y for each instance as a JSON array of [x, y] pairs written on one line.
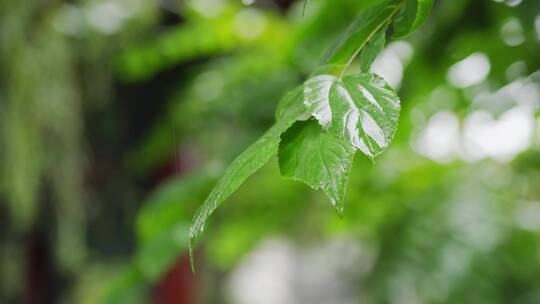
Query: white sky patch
[[500, 139], [389, 66], [522, 91], [512, 32], [392, 61], [439, 140], [403, 50], [469, 71], [265, 276], [276, 272], [501, 126], [525, 92], [511, 3], [480, 137], [106, 17]]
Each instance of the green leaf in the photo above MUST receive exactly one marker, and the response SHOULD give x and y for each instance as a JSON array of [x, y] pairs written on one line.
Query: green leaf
[[319, 159], [358, 111], [372, 50], [413, 15], [290, 108], [362, 108], [249, 161], [364, 28], [366, 111], [242, 167], [316, 94]]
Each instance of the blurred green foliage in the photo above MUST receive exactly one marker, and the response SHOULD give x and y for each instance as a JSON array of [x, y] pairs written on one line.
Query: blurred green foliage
[[449, 221]]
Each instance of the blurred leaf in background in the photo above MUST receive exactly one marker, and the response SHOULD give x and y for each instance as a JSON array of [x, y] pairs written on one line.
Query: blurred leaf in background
[[118, 116]]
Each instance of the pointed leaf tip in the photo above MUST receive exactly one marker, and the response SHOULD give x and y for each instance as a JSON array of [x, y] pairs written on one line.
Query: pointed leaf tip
[[191, 258], [354, 112], [414, 13], [254, 157], [317, 158]]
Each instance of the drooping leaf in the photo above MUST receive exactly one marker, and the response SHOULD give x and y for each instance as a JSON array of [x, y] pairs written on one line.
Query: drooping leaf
[[413, 14], [249, 161], [317, 158], [366, 26], [372, 50], [290, 108], [355, 112], [241, 168], [362, 108], [365, 110], [359, 111]]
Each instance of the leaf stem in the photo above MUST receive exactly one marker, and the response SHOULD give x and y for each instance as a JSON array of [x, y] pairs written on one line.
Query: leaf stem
[[355, 54]]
